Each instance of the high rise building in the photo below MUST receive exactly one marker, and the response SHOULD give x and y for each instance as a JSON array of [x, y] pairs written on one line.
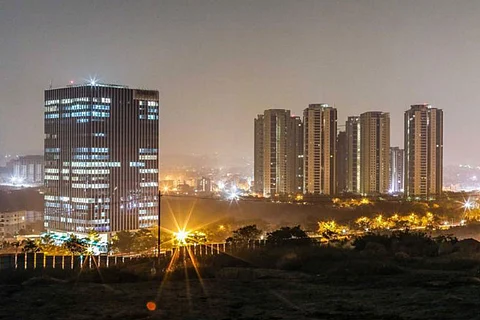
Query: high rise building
[[26, 169], [258, 155], [397, 178], [204, 185], [352, 128], [278, 153], [374, 152], [423, 151], [295, 155], [101, 158], [320, 140], [342, 161]]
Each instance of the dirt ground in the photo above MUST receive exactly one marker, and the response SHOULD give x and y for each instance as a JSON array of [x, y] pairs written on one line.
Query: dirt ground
[[252, 294]]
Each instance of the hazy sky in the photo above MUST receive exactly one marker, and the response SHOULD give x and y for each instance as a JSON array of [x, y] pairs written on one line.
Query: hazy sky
[[219, 63]]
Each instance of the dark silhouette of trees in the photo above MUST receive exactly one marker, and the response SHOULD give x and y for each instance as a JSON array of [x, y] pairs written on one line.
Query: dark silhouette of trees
[[30, 246], [288, 235], [75, 245], [122, 242], [144, 240], [245, 234]]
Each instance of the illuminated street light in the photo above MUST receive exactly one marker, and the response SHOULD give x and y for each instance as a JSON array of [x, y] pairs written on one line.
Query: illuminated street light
[[181, 237], [468, 205], [15, 180]]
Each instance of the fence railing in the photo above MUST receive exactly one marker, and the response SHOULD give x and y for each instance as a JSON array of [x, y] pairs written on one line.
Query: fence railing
[[31, 261]]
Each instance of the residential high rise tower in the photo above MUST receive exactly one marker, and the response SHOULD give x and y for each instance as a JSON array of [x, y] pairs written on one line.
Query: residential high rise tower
[[423, 151], [397, 158], [352, 128], [374, 152], [320, 140], [278, 166]]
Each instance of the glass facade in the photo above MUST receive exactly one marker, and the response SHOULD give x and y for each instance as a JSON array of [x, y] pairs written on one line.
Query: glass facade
[[101, 147]]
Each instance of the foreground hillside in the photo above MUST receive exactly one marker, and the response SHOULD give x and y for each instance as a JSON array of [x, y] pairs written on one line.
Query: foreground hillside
[[245, 294]]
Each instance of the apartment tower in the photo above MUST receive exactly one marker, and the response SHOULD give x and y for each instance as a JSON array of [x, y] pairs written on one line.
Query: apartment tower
[[352, 128], [320, 139], [397, 158], [423, 151], [374, 152], [278, 166], [342, 161]]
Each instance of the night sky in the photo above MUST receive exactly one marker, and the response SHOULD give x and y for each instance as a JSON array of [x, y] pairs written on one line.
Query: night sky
[[218, 64]]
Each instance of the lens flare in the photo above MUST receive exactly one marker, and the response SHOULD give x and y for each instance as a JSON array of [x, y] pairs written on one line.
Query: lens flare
[[151, 306]]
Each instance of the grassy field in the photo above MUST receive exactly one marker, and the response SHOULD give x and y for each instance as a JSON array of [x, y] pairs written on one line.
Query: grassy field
[[282, 295], [282, 283]]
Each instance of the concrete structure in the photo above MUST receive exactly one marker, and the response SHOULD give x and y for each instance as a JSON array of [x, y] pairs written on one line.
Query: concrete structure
[[374, 152], [423, 151], [320, 140], [342, 161], [26, 170], [22, 221], [397, 177], [204, 185], [258, 164], [295, 155], [278, 153], [101, 165], [352, 128]]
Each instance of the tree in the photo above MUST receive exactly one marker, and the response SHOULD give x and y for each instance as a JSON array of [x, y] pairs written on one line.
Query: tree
[[122, 242], [48, 246], [16, 245], [144, 240], [30, 246], [93, 236], [75, 245], [245, 234], [330, 230], [285, 235]]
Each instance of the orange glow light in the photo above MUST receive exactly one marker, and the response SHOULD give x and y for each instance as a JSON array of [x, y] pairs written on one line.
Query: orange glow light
[[151, 306]]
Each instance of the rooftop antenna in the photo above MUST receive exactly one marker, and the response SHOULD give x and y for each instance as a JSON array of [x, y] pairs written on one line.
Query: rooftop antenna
[[51, 83]]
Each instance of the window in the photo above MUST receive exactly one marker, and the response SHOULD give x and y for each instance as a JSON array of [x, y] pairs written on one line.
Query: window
[[137, 164], [148, 157]]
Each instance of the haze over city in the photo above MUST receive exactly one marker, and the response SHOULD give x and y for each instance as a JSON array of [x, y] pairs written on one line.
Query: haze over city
[[218, 64]]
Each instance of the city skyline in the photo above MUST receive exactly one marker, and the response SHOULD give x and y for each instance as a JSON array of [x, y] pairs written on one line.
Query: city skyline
[[357, 57]]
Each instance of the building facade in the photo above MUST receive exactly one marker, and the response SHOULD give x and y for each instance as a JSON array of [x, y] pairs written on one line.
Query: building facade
[[320, 140], [101, 158], [374, 152], [342, 161], [13, 223], [352, 128], [423, 151], [204, 185], [278, 160], [258, 155], [397, 177], [295, 155], [26, 169]]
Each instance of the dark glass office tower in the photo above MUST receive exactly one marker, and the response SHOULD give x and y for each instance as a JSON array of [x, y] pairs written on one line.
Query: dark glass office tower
[[101, 158]]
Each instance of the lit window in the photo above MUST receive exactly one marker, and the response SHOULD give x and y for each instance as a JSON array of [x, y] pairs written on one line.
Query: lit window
[[148, 157], [137, 164]]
